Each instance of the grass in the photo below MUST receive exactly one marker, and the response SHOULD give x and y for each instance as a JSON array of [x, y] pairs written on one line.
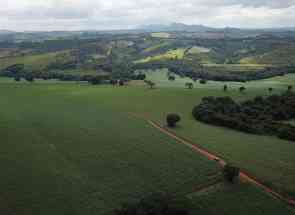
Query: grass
[[198, 49], [161, 35], [77, 149], [281, 55], [241, 199], [36, 61], [172, 54], [235, 67], [155, 47], [65, 149]]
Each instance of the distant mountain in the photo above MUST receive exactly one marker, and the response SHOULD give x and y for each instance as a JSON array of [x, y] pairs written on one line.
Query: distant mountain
[[6, 32], [176, 27], [202, 28]]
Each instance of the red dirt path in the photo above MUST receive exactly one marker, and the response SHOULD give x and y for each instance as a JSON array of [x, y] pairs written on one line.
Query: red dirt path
[[243, 175]]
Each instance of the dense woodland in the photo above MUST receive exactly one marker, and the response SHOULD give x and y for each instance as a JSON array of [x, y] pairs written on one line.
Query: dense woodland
[[264, 116]]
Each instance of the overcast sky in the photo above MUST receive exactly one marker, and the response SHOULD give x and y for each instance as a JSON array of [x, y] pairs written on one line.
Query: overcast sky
[[121, 14]]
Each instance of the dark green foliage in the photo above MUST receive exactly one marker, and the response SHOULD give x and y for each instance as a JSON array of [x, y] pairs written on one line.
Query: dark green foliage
[[270, 90], [171, 78], [172, 119], [225, 87], [257, 116], [150, 83], [138, 77], [121, 82], [95, 80], [242, 89], [17, 78], [203, 81], [231, 173], [157, 204], [29, 77], [189, 85], [113, 82], [16, 68], [290, 88]]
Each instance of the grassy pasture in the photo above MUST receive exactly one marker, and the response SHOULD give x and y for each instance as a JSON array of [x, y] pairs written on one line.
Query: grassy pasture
[[198, 49], [161, 35], [235, 67], [172, 54], [281, 55], [36, 61]]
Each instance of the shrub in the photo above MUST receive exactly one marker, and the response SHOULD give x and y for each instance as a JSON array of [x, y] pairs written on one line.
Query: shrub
[[171, 78], [203, 81], [29, 78], [231, 173], [242, 89], [225, 87], [172, 119], [17, 78], [95, 80], [157, 204], [189, 85]]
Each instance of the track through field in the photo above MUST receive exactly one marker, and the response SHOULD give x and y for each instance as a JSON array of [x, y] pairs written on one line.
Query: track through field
[[211, 156]]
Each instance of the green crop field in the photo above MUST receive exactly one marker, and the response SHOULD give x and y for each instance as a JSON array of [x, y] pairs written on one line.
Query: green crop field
[[70, 148], [66, 150], [241, 199]]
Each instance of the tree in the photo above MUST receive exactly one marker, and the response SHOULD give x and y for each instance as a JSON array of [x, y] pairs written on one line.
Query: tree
[[231, 173], [225, 87], [113, 82], [29, 78], [189, 85], [203, 81], [150, 83], [242, 89], [290, 88], [157, 204], [172, 119], [270, 90], [17, 78], [95, 80], [171, 78], [121, 83]]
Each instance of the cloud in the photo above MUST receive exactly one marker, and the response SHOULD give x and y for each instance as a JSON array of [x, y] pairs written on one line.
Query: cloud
[[108, 14]]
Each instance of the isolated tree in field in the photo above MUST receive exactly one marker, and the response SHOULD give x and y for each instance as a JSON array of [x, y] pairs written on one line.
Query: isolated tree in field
[[29, 78], [17, 78], [157, 204], [95, 80], [290, 88], [189, 85], [171, 78], [242, 89], [172, 119], [150, 83], [270, 90], [121, 83], [113, 82], [225, 87], [231, 173], [203, 81]]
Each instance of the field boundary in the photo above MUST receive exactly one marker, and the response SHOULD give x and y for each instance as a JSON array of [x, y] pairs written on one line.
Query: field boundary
[[211, 156]]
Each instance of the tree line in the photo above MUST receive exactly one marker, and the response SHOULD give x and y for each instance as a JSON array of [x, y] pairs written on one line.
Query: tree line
[[263, 116]]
